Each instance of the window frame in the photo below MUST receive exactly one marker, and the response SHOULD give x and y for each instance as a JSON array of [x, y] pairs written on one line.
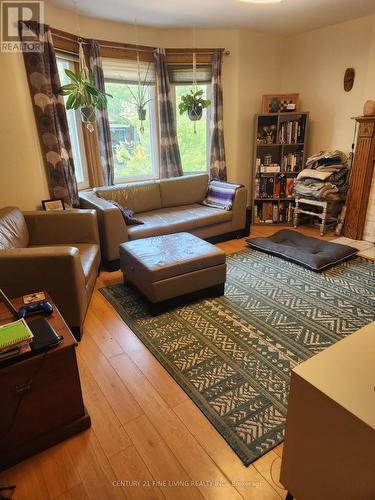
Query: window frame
[[85, 184], [152, 109], [208, 120]]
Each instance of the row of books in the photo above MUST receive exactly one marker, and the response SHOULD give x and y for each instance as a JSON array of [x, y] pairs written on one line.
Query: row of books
[[292, 132], [15, 339], [272, 213], [278, 186], [292, 162]]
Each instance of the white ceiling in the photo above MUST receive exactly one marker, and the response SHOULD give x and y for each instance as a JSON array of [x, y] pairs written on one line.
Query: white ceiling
[[287, 17]]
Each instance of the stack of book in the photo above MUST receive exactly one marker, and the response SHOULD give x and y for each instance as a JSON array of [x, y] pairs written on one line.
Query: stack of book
[[291, 132], [15, 339]]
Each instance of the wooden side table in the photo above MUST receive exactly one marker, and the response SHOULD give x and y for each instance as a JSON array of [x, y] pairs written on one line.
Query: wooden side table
[[330, 430], [41, 398]]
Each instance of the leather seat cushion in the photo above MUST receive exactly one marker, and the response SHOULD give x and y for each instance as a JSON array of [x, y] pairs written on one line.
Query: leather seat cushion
[[177, 219], [89, 254], [161, 257], [13, 229]]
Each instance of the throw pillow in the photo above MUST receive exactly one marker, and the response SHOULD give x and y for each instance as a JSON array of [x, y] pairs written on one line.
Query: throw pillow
[[221, 194], [127, 214]]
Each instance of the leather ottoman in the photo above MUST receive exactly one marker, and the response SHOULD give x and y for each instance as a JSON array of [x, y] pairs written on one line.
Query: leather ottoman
[[169, 266]]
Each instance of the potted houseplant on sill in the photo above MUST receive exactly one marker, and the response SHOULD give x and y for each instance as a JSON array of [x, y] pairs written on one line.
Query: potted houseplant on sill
[[82, 94], [193, 103]]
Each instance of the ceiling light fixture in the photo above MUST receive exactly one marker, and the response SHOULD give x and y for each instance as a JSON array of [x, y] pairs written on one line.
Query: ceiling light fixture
[[261, 1]]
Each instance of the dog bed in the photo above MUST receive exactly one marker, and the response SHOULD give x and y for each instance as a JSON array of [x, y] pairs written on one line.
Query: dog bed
[[313, 253]]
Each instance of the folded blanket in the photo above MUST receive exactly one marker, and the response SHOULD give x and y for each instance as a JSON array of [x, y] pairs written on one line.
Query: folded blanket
[[313, 174], [221, 194]]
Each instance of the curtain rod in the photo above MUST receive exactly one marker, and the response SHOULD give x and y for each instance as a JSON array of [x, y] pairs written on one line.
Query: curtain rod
[[136, 49]]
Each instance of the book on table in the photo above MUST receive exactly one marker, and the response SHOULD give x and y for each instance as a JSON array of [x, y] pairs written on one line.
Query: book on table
[[15, 338]]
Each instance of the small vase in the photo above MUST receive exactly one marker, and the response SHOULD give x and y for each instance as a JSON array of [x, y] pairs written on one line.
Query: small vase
[[195, 113]]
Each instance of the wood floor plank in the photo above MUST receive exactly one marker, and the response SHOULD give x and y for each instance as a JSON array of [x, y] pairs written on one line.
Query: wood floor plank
[[268, 466], [163, 465], [184, 446], [28, 479], [58, 470], [97, 331], [159, 377], [93, 466], [115, 391], [129, 467], [247, 480], [78, 492], [108, 428]]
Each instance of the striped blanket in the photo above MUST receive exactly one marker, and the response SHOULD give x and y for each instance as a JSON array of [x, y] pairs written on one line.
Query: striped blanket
[[221, 194]]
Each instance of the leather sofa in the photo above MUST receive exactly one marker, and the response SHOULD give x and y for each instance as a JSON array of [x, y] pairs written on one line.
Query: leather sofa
[[53, 251], [165, 206]]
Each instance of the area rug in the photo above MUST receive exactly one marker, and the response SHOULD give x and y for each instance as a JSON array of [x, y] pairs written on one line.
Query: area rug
[[233, 355]]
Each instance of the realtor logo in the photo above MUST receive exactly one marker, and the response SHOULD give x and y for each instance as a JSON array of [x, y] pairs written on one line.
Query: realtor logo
[[11, 13]]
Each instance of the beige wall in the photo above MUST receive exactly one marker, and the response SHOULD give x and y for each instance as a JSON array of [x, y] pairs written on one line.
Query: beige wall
[[312, 64], [315, 66]]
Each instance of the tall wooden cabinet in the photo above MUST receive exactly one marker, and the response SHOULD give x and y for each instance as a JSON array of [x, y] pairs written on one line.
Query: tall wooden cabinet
[[360, 182]]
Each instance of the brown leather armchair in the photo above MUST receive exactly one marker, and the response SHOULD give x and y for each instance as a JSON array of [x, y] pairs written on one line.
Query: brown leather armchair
[[53, 251]]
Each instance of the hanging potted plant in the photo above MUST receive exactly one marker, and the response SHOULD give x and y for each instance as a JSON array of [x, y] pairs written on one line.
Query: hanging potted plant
[[82, 94], [194, 104], [139, 98]]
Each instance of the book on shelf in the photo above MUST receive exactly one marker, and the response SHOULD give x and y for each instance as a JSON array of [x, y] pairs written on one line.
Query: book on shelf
[[266, 187], [270, 169], [292, 132], [267, 211], [289, 184]]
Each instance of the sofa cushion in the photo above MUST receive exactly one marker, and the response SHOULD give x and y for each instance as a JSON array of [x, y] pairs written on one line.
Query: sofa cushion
[[138, 196], [13, 229], [177, 219], [183, 190]]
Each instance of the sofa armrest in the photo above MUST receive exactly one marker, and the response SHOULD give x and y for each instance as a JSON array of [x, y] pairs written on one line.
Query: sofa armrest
[[56, 270], [112, 228], [67, 226], [239, 209]]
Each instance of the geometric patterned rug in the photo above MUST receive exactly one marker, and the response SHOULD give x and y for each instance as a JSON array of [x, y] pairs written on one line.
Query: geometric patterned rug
[[233, 355]]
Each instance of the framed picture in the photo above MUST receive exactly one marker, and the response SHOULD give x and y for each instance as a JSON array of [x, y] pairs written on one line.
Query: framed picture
[[279, 103], [57, 204]]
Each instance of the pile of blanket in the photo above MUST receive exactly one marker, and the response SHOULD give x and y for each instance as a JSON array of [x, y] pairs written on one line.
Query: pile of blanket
[[325, 177]]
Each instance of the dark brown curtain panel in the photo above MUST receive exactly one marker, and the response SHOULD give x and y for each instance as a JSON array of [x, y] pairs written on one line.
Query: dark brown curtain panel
[[102, 121], [218, 168], [50, 116]]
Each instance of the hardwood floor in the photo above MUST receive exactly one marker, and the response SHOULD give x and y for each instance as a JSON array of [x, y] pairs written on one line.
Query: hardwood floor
[[148, 440]]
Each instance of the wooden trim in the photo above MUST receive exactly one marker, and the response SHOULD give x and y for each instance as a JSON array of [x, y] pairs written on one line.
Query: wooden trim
[[360, 181], [68, 42]]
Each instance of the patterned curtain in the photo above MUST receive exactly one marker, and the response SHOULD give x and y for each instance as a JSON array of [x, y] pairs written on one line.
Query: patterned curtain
[[104, 133], [170, 160], [218, 168], [50, 116]]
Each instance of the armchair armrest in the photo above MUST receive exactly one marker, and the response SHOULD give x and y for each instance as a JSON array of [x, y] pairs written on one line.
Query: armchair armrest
[[112, 228], [57, 270], [67, 226], [239, 209]]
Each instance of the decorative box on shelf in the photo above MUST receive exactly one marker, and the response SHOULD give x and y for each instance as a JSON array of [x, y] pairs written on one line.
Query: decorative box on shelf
[[279, 155]]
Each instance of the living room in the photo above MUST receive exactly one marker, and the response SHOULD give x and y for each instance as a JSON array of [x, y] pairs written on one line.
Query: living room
[[176, 342]]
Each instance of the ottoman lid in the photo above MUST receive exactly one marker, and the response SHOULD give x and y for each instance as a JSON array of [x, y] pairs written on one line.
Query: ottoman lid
[[170, 255]]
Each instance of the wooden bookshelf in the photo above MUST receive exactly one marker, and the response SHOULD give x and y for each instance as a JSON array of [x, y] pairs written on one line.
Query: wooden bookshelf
[[279, 155]]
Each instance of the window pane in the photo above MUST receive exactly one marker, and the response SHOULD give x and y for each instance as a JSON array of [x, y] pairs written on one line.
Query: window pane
[[75, 128], [193, 146], [134, 150]]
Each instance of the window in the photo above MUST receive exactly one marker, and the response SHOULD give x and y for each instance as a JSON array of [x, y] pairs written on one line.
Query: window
[[135, 145], [194, 146], [75, 129]]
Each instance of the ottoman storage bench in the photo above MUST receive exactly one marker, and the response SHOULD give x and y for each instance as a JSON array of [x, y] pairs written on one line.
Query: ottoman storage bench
[[169, 266]]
